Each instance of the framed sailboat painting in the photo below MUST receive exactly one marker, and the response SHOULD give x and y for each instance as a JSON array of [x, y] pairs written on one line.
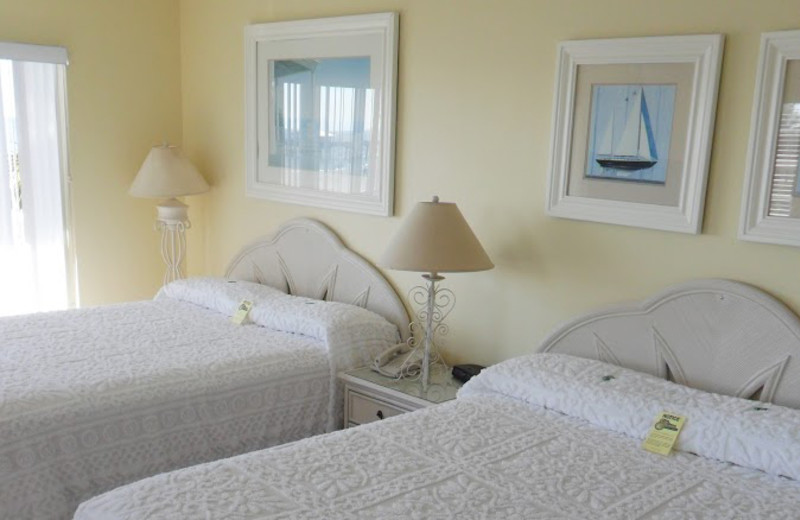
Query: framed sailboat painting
[[632, 130]]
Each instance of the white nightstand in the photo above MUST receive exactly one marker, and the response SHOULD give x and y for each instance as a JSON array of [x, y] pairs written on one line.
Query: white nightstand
[[369, 396]]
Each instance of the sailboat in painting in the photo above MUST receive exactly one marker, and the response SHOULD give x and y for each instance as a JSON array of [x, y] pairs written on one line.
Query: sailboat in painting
[[635, 148]]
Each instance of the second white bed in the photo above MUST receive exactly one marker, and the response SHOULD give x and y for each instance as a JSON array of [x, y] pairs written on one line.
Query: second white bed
[[496, 452], [91, 399], [94, 398]]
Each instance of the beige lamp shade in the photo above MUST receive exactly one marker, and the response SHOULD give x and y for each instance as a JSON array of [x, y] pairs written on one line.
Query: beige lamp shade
[[166, 173], [435, 238]]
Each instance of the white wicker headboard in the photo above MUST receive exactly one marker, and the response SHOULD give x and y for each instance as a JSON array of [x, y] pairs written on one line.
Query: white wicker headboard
[[305, 258], [717, 335]]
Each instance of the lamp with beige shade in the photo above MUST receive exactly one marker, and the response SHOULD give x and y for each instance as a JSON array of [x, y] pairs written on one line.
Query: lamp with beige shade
[[167, 174], [434, 239]]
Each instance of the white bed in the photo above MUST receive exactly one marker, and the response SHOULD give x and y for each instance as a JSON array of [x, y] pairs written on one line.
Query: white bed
[[548, 435], [94, 398]]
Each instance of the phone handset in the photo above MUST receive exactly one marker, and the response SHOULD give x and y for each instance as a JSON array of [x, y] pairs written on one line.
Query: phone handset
[[398, 361]]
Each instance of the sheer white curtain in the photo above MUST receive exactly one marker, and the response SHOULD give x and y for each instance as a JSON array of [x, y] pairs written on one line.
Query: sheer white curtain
[[6, 229], [33, 261]]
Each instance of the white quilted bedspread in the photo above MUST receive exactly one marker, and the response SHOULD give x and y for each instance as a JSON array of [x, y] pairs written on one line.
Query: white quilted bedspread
[[486, 455], [92, 399]]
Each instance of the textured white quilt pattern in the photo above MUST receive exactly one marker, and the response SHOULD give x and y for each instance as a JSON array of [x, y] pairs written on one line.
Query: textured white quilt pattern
[[478, 457], [92, 399]]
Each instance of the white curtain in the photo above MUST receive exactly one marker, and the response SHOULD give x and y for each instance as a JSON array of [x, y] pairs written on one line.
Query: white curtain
[[34, 273], [6, 230]]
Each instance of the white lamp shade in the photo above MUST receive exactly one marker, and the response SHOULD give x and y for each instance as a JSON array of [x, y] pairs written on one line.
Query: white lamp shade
[[166, 173], [435, 238]]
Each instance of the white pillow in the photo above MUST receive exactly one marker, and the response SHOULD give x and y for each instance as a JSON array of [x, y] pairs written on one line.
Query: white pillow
[[217, 294], [279, 311], [751, 434]]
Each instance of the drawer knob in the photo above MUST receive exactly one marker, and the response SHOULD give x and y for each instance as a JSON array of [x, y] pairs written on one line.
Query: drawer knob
[[380, 414]]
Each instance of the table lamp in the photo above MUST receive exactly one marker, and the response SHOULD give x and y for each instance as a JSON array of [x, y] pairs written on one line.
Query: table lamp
[[166, 174], [434, 239]]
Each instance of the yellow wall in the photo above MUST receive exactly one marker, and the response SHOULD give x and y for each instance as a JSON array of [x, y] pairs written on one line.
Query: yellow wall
[[474, 112], [123, 85]]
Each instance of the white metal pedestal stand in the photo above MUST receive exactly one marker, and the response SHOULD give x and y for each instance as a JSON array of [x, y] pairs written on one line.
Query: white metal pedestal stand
[[173, 221]]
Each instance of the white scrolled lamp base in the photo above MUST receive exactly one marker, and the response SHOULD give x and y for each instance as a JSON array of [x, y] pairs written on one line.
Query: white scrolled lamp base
[[173, 221], [435, 303]]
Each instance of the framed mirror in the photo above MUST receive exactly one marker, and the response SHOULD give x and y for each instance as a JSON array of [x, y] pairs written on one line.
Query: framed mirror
[[320, 112], [771, 198]]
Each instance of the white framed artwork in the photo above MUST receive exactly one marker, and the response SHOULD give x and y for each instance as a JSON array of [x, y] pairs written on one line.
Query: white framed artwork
[[632, 130], [320, 112], [771, 196]]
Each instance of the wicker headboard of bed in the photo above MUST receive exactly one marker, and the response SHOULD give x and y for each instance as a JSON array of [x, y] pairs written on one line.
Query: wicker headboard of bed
[[716, 335], [305, 258]]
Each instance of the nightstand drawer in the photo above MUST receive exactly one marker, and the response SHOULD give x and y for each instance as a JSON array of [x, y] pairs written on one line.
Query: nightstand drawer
[[364, 409], [370, 397]]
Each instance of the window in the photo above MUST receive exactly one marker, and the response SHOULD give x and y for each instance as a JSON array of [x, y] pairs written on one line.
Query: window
[[36, 261]]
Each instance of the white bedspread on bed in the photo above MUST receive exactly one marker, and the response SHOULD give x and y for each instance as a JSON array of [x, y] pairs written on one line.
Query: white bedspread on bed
[[92, 399], [482, 456]]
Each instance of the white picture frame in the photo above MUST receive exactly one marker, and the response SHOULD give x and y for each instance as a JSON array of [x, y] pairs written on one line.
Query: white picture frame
[[320, 103], [674, 200], [770, 199]]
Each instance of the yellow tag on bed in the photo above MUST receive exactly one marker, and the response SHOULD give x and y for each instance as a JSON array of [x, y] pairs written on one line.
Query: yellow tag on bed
[[241, 312], [663, 433]]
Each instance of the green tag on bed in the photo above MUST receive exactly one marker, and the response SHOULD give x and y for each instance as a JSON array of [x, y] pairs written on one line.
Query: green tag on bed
[[663, 433], [241, 312]]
